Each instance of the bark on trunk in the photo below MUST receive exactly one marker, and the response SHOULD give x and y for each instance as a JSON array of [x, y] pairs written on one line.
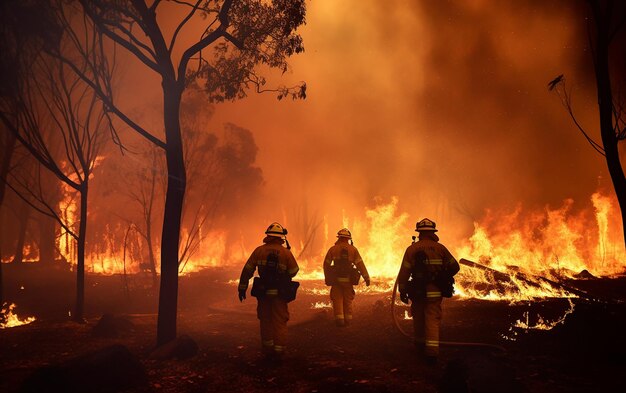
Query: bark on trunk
[[9, 147], [79, 310], [174, 197], [603, 20], [47, 234], [23, 216], [151, 257]]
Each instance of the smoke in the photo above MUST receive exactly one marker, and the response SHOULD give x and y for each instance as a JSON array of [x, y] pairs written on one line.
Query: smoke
[[443, 104]]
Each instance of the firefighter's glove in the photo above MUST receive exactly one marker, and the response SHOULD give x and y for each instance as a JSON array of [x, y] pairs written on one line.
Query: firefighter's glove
[[404, 297], [242, 295], [367, 282]]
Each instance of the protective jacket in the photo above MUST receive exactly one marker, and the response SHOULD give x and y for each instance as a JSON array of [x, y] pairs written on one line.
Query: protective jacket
[[425, 262], [276, 265], [343, 266]]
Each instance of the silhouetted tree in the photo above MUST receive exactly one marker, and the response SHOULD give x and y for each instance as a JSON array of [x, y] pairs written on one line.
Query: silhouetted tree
[[240, 35], [51, 104], [8, 145], [608, 19]]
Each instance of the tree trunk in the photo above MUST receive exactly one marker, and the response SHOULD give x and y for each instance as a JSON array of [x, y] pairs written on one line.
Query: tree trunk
[[603, 23], [47, 234], [148, 216], [174, 197], [151, 258], [79, 311], [7, 153], [23, 216]]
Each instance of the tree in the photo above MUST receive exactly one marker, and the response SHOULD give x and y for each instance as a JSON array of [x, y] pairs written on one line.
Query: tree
[[8, 145], [240, 35], [50, 104], [608, 20]]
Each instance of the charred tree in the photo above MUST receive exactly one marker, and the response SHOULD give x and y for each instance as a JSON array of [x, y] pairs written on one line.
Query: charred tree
[[8, 145], [22, 218], [7, 139], [55, 116], [609, 18], [608, 21], [141, 188], [47, 237], [241, 35]]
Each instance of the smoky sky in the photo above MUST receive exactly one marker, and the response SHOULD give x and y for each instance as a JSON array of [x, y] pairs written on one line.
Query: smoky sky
[[443, 104]]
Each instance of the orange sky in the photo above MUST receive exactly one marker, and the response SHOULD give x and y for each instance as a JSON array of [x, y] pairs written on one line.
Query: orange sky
[[443, 104]]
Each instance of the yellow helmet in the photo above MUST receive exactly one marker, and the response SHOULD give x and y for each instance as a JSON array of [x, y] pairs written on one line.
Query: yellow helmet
[[344, 232], [276, 230], [425, 225]]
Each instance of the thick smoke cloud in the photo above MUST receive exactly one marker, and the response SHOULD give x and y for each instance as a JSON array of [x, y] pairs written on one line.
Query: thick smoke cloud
[[443, 104]]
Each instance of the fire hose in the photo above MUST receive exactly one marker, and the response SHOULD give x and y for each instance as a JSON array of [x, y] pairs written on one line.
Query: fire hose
[[446, 343]]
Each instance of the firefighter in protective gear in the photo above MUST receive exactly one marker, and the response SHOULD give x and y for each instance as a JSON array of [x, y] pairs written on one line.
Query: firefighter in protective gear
[[425, 277], [276, 265], [343, 266]]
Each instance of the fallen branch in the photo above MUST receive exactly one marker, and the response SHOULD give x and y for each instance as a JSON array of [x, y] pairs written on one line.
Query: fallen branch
[[500, 276]]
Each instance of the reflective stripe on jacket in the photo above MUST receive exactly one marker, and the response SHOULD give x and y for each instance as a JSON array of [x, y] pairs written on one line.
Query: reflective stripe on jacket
[[273, 246], [354, 258], [433, 255]]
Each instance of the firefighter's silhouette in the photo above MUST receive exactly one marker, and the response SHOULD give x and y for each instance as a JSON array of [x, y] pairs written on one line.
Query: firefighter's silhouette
[[343, 267], [426, 276], [273, 288]]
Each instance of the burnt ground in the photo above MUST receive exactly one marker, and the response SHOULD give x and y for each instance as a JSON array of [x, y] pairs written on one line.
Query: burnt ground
[[587, 353]]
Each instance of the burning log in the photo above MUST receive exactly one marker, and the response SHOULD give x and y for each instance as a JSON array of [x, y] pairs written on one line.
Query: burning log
[[500, 276]]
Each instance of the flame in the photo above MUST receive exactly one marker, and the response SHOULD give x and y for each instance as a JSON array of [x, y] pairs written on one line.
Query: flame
[[553, 243], [9, 319], [384, 241], [68, 208], [542, 324]]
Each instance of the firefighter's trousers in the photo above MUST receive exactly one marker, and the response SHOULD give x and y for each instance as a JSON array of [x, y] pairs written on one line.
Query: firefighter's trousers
[[427, 320], [342, 295], [273, 314]]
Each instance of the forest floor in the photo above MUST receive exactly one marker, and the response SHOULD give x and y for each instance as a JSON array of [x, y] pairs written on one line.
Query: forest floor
[[585, 353]]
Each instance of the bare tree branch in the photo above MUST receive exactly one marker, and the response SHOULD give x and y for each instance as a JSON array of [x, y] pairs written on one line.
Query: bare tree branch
[[558, 85], [181, 24]]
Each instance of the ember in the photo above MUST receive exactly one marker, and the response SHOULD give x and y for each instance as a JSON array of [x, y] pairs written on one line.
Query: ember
[[540, 323]]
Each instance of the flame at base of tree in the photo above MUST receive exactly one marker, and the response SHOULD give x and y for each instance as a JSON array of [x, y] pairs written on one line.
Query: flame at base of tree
[[9, 319]]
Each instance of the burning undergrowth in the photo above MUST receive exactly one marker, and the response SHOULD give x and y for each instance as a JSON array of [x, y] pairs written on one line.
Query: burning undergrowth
[[9, 318], [514, 256]]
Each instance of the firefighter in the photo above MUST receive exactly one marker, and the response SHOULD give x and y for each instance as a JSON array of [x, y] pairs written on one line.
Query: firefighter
[[273, 288], [343, 267], [426, 276]]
